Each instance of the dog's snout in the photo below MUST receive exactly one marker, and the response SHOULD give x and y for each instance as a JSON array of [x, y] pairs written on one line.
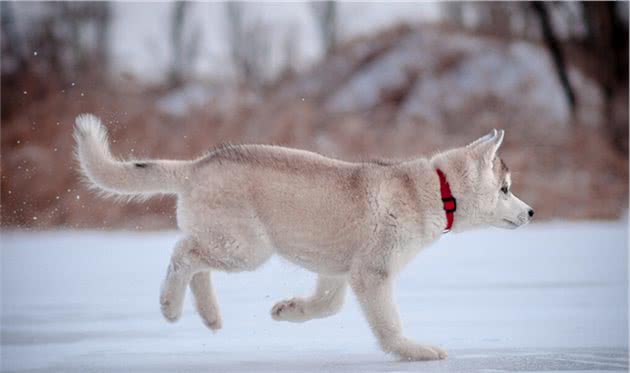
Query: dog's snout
[[531, 213]]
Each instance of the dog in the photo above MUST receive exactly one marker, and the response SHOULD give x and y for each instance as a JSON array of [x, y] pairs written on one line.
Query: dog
[[354, 224]]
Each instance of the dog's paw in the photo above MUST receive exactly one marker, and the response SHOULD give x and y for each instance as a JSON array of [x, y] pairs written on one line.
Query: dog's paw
[[171, 312], [213, 324], [208, 310], [423, 353], [210, 317], [441, 353], [409, 350], [289, 310]]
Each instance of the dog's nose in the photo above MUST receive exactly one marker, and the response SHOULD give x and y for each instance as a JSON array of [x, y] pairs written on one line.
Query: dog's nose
[[530, 212]]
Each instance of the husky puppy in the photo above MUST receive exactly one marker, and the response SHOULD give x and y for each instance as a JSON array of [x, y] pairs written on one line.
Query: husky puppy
[[355, 224]]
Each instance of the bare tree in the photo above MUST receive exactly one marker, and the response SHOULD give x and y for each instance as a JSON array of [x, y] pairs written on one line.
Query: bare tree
[[68, 40], [606, 41], [556, 52], [494, 17], [11, 39], [325, 13], [453, 12], [101, 16], [250, 46], [176, 76], [70, 24], [593, 34], [14, 61], [289, 50], [603, 52], [185, 41]]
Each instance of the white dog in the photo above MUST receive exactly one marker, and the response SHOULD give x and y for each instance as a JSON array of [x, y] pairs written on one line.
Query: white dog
[[351, 223]]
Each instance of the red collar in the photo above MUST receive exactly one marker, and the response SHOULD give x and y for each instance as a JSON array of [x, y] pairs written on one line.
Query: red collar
[[448, 201]]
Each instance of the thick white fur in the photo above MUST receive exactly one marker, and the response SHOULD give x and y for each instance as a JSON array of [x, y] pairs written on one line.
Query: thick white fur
[[114, 177], [354, 224]]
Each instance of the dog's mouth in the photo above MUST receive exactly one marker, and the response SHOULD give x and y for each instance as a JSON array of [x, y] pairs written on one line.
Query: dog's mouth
[[510, 224]]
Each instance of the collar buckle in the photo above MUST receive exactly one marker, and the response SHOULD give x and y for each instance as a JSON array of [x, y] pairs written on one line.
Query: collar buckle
[[450, 204]]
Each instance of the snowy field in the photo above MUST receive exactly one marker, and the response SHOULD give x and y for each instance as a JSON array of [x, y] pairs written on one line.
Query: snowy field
[[548, 297]]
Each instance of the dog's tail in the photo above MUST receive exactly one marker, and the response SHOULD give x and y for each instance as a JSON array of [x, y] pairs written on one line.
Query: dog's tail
[[115, 177]]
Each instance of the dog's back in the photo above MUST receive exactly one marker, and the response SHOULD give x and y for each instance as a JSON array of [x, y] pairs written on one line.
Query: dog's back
[[309, 208]]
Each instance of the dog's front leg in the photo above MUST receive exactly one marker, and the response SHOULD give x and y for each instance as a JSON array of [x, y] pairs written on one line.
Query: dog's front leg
[[326, 301], [373, 286]]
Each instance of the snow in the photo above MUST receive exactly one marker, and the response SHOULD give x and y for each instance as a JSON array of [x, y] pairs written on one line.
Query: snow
[[380, 15], [441, 74], [546, 297], [453, 71], [387, 73]]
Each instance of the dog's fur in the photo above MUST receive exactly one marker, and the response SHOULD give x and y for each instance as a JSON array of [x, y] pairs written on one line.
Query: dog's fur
[[353, 224]]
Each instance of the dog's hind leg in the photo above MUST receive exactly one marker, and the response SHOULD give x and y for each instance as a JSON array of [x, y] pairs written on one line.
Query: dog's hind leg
[[192, 262], [327, 301], [205, 300], [216, 249], [180, 271]]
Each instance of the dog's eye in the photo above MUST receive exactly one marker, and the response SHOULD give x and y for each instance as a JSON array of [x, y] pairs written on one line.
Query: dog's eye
[[504, 190]]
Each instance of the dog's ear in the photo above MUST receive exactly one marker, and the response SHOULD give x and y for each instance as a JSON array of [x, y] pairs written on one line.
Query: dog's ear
[[482, 139], [486, 147]]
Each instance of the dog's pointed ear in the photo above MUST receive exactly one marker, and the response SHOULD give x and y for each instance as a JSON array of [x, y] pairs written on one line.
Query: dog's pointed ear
[[482, 139], [486, 150]]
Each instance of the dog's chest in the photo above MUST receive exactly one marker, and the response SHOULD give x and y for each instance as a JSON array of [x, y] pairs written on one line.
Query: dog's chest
[[410, 237]]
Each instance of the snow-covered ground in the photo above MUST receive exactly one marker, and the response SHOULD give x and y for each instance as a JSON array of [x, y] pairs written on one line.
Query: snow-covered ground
[[548, 297]]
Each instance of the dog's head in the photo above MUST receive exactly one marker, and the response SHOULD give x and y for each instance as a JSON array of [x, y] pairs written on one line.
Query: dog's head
[[482, 185]]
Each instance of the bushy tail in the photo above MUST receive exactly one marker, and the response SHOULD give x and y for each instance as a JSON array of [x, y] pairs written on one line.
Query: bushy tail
[[132, 178]]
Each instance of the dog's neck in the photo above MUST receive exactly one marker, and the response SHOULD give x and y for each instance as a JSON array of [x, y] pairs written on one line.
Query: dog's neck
[[426, 185], [452, 164]]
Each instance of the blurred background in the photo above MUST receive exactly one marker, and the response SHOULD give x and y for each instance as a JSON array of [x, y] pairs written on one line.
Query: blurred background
[[350, 80]]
